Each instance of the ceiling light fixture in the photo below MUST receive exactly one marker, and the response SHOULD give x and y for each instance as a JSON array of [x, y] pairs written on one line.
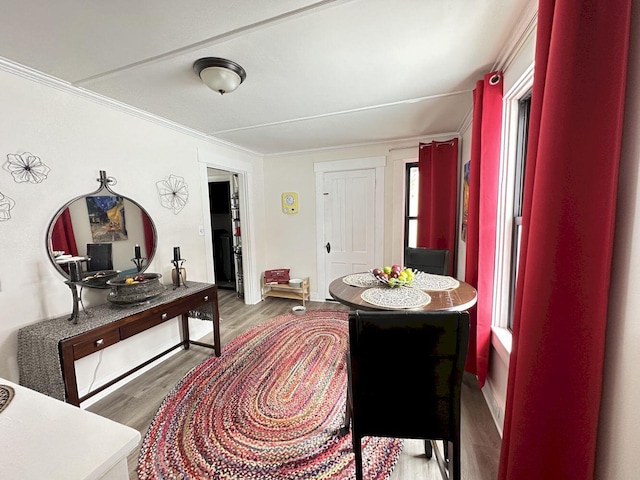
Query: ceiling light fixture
[[220, 75]]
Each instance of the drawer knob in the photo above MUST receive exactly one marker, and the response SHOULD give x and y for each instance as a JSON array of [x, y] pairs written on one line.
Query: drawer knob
[[164, 316], [206, 298], [99, 342]]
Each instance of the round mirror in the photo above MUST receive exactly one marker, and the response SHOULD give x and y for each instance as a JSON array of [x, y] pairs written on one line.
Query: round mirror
[[97, 236]]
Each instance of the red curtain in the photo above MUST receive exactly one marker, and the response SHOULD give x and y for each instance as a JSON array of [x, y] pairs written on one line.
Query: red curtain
[[555, 372], [481, 226], [437, 196], [149, 236], [62, 236]]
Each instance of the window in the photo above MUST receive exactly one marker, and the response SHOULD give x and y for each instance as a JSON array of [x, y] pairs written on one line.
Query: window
[[513, 152], [411, 206], [524, 108]]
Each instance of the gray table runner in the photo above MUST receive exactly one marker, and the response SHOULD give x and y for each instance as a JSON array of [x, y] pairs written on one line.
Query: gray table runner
[[38, 354]]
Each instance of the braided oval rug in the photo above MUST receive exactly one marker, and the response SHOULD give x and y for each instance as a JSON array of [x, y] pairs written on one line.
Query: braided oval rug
[[268, 408]]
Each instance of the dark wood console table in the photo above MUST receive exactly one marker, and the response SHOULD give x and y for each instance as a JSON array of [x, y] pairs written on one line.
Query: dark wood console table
[[47, 350]]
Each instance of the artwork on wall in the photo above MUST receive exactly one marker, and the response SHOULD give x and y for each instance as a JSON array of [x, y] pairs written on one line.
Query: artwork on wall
[[6, 204], [23, 167], [26, 167], [107, 218], [173, 193], [465, 199]]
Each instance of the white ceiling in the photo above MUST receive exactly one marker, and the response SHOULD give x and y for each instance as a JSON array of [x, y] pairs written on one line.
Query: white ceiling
[[320, 74]]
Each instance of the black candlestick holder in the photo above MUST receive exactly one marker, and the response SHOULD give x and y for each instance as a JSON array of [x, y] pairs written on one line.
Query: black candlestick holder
[[139, 262], [178, 280]]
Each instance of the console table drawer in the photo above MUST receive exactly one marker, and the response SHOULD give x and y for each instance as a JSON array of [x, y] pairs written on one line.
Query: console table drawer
[[93, 342], [156, 317]]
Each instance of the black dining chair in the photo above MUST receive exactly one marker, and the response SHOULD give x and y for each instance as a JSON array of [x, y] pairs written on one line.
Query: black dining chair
[[427, 260], [404, 380], [100, 257]]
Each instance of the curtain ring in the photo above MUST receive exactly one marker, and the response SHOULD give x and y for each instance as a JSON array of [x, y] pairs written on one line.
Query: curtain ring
[[495, 79]]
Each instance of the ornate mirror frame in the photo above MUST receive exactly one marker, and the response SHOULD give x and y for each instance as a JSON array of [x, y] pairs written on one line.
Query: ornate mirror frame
[[105, 222]]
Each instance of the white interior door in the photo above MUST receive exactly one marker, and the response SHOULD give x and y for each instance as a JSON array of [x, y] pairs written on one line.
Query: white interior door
[[349, 222]]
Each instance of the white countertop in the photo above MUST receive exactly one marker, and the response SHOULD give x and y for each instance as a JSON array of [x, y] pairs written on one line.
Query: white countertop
[[41, 437]]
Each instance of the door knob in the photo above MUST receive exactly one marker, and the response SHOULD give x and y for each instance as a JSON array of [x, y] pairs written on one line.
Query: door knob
[[328, 247]]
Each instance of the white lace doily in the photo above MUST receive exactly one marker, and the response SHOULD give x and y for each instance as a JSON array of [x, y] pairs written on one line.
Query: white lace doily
[[365, 279], [400, 297], [428, 281]]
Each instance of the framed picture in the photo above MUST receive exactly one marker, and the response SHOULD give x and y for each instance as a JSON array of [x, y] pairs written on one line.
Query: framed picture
[[107, 218], [466, 169]]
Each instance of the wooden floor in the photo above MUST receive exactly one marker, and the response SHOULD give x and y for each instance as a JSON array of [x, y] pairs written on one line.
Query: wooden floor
[[136, 403]]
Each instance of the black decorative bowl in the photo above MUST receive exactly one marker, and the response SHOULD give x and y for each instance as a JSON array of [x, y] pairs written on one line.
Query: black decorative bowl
[[135, 289]]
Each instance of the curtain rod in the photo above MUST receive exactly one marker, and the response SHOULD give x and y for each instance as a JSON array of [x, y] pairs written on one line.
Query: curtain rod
[[420, 145], [448, 142]]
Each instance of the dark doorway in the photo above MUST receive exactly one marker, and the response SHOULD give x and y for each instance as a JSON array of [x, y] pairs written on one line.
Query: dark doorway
[[221, 226]]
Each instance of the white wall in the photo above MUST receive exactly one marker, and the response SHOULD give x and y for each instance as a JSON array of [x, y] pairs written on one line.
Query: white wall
[[290, 240], [77, 137]]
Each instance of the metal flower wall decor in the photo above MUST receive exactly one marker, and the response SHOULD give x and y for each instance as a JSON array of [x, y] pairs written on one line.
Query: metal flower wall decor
[[26, 167], [6, 204], [173, 192]]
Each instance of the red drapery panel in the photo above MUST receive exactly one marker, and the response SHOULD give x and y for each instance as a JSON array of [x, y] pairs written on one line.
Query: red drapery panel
[[62, 236], [555, 372], [149, 236], [437, 197], [481, 226]]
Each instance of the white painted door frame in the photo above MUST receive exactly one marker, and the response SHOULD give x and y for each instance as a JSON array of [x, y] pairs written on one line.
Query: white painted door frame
[[320, 168], [244, 169]]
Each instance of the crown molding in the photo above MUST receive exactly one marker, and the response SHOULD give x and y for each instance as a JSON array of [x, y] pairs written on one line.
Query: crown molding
[[519, 36], [522, 31], [54, 82], [466, 121], [407, 142]]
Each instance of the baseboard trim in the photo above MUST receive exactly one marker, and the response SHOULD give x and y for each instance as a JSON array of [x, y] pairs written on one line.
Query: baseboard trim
[[497, 413]]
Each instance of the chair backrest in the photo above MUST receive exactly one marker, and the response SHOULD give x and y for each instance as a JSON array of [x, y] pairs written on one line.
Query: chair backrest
[[405, 372], [427, 260], [99, 257]]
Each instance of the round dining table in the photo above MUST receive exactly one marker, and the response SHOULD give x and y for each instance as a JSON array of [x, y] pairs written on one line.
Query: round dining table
[[459, 298]]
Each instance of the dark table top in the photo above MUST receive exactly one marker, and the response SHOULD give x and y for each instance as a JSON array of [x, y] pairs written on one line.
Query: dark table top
[[461, 298]]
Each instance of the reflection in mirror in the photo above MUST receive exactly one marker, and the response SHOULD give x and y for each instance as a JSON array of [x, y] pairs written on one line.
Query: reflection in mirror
[[103, 233]]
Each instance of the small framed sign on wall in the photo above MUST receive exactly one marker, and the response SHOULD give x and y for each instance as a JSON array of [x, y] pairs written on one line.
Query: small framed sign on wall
[[289, 203]]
